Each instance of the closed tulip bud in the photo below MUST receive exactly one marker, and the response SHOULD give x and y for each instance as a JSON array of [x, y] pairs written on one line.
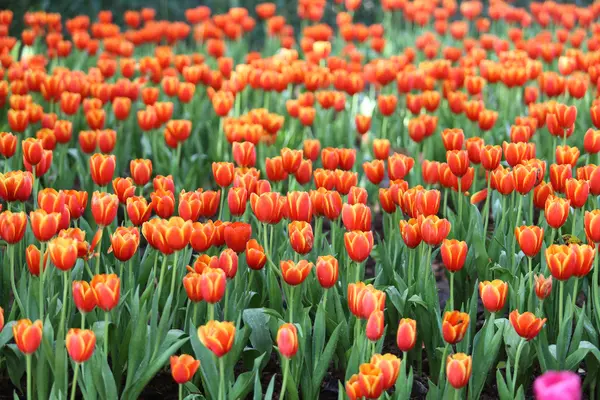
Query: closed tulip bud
[[428, 202], [32, 257], [527, 325], [311, 149], [331, 203], [236, 200], [291, 159], [453, 139], [124, 189], [327, 271], [80, 344], [201, 236], [370, 300], [287, 340], [28, 335], [374, 171], [386, 201], [525, 178], [591, 141], [228, 262], [213, 284], [561, 261], [295, 273], [265, 206], [493, 294], [345, 180], [192, 283], [163, 203], [33, 150], [84, 296], [358, 245], [381, 148], [138, 210], [299, 206], [530, 239], [141, 171], [458, 369], [433, 229], [8, 144], [330, 158], [454, 326], [356, 217], [577, 191], [217, 336], [370, 380], [223, 173], [63, 253], [592, 225], [454, 254], [458, 161], [244, 154], [406, 338], [255, 255], [502, 180], [102, 168], [76, 202], [274, 169], [183, 368], [399, 166], [12, 226], [358, 195], [584, 255], [237, 235], [108, 290], [104, 208], [124, 243], [375, 326], [556, 211], [353, 390], [559, 175], [301, 236], [389, 365], [490, 157], [543, 286]]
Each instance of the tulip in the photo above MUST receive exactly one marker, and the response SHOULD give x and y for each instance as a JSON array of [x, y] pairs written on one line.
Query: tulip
[[44, 225], [584, 255], [84, 296], [406, 338], [265, 206], [327, 270], [543, 286], [300, 236], [80, 344], [369, 300], [493, 294], [164, 183], [458, 369], [299, 206], [358, 245], [16, 186], [32, 257], [561, 261], [375, 326], [287, 340], [454, 254], [295, 273], [124, 189], [12, 226], [454, 326], [213, 284], [557, 385], [63, 253], [374, 171], [433, 229], [138, 210], [183, 368], [530, 239], [102, 168], [236, 200], [124, 243], [201, 236], [223, 173], [353, 390], [217, 336], [32, 150], [76, 202], [527, 325], [192, 285], [1, 319], [370, 380], [255, 255], [556, 211], [27, 335], [163, 203], [104, 208], [228, 262], [237, 235]]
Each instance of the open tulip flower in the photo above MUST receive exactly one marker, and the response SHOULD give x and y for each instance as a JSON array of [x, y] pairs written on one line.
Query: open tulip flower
[[340, 187]]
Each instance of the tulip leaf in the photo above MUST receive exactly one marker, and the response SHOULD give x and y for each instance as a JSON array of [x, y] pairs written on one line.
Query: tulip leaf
[[564, 335], [324, 359], [270, 389], [242, 385], [208, 366], [319, 331], [15, 364], [486, 346], [576, 357], [6, 334], [260, 337]]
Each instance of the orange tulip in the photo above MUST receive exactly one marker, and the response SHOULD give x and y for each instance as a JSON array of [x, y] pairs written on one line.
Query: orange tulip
[[458, 369], [28, 335], [63, 253], [454, 326], [12, 226], [370, 380], [138, 210], [163, 203], [295, 273], [213, 283], [561, 261], [84, 296], [104, 208], [217, 336], [80, 344], [454, 254], [543, 286], [237, 235], [389, 365], [44, 225], [406, 337], [358, 245], [584, 255], [493, 294], [375, 326], [301, 236], [530, 239], [33, 150], [577, 191], [527, 325], [124, 243], [327, 271], [433, 229], [108, 290], [556, 211], [287, 340], [223, 173], [102, 168], [141, 171], [123, 188], [183, 368], [353, 390]]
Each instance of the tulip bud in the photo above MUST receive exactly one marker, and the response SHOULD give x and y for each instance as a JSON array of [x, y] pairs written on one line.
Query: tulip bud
[[217, 336], [406, 337], [454, 326], [287, 340], [327, 271], [183, 368], [27, 335], [375, 326], [493, 294], [80, 344], [527, 325], [458, 369]]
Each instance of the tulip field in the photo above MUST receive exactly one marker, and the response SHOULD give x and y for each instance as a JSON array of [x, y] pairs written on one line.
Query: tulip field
[[269, 203]]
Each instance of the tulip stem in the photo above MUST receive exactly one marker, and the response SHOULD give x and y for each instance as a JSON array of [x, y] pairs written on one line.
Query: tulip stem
[[106, 322], [222, 378], [82, 320], [174, 276], [29, 390], [514, 242], [11, 256], [99, 253], [594, 284], [75, 376], [560, 302], [451, 291], [63, 311], [486, 218], [530, 262], [163, 267], [222, 201], [42, 270], [411, 260], [575, 292], [180, 392], [442, 362], [291, 304], [457, 394], [211, 311], [357, 272], [460, 200], [286, 371], [226, 304], [517, 357]]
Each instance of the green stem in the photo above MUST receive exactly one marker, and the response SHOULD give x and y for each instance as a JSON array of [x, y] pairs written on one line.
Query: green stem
[[221, 378], [442, 362], [411, 260], [226, 304], [75, 376], [29, 388], [456, 394], [174, 276], [560, 302], [460, 200], [63, 312], [286, 371], [518, 223], [222, 205], [83, 320], [530, 262], [486, 218], [42, 273], [211, 312], [291, 304], [451, 291], [574, 222], [163, 268], [11, 256], [106, 322], [517, 357], [357, 276], [99, 254], [575, 293], [531, 209], [594, 284]]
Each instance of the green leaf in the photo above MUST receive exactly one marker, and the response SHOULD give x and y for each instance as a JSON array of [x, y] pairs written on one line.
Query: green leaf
[[260, 338], [322, 365], [208, 366], [319, 331], [576, 357]]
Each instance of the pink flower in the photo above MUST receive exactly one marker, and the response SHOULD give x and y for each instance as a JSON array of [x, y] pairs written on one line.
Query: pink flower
[[558, 385]]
